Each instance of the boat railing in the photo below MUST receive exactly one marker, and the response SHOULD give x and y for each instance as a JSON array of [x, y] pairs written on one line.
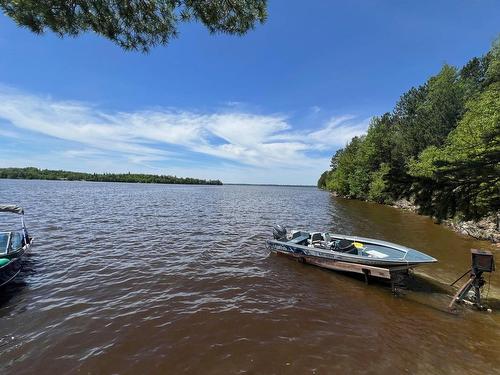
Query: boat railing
[[20, 230]]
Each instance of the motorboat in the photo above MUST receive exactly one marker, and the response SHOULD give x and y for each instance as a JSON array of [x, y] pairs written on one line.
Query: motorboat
[[346, 253]]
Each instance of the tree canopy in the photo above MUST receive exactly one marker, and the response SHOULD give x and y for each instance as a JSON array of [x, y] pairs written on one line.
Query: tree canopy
[[135, 24], [440, 146]]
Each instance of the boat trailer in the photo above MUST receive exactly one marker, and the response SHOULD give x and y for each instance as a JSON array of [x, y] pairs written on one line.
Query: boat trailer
[[396, 275]]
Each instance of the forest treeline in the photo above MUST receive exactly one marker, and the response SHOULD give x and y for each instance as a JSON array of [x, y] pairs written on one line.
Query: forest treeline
[[439, 147], [31, 173]]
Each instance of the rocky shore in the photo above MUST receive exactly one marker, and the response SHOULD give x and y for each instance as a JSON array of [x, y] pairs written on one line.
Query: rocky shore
[[485, 229]]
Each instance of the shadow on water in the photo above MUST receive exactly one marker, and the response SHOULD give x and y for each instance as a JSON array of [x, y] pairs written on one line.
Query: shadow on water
[[18, 285], [422, 284], [12, 289], [434, 294], [414, 288]]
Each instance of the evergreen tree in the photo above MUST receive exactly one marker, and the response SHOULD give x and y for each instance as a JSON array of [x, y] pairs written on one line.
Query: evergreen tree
[[440, 146], [134, 24]]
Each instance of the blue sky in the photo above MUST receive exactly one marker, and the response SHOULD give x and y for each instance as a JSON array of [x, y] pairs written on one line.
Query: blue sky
[[269, 107]]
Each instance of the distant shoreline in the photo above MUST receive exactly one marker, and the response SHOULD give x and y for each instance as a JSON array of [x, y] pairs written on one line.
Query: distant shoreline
[[31, 173], [126, 182]]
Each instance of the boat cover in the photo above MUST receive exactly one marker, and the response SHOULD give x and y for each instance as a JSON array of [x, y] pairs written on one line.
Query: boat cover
[[11, 208]]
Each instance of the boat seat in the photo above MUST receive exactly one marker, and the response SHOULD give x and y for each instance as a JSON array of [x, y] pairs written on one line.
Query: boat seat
[[316, 238], [298, 240], [345, 246]]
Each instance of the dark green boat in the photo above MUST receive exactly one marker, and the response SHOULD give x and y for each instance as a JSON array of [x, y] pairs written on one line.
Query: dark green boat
[[14, 244]]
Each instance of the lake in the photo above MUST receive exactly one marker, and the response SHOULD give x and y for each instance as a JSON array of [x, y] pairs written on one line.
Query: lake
[[171, 279]]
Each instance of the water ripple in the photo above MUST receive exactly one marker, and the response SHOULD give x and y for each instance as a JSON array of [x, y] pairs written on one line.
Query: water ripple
[[131, 278]]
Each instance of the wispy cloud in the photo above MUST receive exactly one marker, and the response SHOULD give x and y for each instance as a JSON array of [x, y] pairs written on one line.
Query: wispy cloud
[[339, 130], [247, 139], [9, 134]]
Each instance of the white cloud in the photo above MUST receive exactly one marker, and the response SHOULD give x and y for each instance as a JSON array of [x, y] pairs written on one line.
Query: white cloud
[[256, 142], [83, 153], [339, 131], [245, 129]]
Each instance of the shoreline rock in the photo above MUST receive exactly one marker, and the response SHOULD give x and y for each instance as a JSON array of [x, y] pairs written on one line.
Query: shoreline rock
[[486, 229], [405, 204]]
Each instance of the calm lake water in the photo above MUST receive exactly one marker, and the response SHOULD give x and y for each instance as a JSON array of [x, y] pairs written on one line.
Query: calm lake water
[[168, 279]]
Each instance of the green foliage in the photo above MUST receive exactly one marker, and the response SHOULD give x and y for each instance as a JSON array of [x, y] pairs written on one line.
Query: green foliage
[[135, 24], [322, 180], [425, 166], [440, 146], [493, 70], [346, 164], [378, 185], [429, 113], [467, 168], [31, 173], [473, 76]]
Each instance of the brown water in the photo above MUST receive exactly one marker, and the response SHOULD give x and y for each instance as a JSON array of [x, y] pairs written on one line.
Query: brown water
[[166, 279]]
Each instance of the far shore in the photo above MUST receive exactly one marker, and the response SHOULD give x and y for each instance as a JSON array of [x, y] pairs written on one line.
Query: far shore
[[31, 173]]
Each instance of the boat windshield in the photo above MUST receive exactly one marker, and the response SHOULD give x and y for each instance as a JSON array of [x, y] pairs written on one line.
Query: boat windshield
[[10, 241]]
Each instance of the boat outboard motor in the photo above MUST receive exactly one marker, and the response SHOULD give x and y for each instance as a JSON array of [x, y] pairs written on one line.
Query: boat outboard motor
[[279, 232]]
